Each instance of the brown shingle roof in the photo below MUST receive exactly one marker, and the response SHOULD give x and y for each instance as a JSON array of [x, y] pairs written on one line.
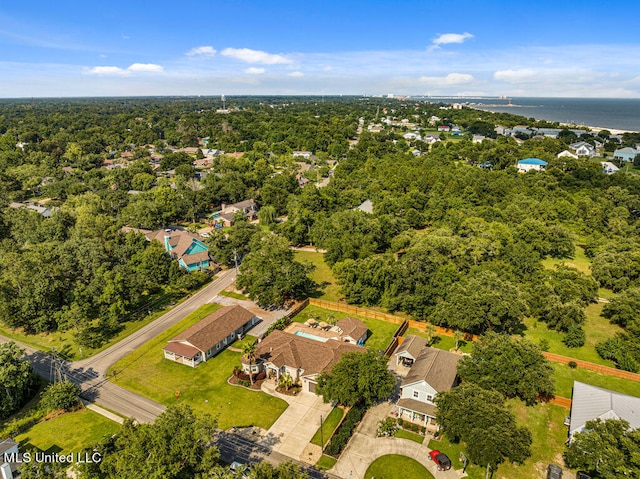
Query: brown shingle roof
[[182, 349], [215, 327], [412, 345], [352, 327], [435, 366], [313, 357]]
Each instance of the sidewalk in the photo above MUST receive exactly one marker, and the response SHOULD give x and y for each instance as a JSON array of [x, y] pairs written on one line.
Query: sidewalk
[[103, 412]]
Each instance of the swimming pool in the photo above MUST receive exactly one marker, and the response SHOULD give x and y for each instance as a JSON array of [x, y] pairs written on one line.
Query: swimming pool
[[311, 336]]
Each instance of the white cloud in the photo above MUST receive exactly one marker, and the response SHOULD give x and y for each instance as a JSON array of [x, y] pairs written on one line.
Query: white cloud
[[145, 67], [523, 75], [255, 56], [452, 79], [255, 71], [111, 71], [447, 38], [295, 74], [122, 72], [205, 51]]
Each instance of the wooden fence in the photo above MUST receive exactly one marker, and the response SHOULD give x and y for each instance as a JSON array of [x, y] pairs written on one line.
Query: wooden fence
[[609, 371]]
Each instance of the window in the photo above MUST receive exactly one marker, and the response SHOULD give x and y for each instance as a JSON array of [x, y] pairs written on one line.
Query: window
[[429, 398], [416, 394], [218, 346]]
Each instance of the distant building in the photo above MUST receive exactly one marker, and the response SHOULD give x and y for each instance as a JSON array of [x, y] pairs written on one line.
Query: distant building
[[529, 164], [567, 154], [186, 248], [224, 217], [366, 207], [302, 154], [46, 212], [609, 168], [582, 148], [626, 154]]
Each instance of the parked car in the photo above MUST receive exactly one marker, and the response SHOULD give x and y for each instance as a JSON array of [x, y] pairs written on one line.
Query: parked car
[[554, 472], [441, 459]]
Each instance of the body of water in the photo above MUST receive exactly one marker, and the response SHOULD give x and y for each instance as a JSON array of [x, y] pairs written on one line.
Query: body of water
[[619, 114]]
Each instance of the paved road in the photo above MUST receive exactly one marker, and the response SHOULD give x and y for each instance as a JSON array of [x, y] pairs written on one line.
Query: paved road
[[90, 373]]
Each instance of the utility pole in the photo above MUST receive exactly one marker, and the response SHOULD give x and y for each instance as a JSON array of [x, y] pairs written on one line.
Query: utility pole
[[235, 260]]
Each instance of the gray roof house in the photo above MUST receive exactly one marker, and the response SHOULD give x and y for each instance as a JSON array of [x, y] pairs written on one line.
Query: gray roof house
[[9, 459], [433, 371], [410, 349], [625, 154], [591, 402]]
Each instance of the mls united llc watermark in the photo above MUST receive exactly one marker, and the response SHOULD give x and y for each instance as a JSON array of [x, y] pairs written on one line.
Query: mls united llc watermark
[[76, 458]]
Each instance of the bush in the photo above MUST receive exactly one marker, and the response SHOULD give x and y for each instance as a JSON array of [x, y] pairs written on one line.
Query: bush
[[574, 337], [279, 324], [623, 349], [544, 345], [572, 364], [400, 422], [345, 430], [414, 427], [64, 395]]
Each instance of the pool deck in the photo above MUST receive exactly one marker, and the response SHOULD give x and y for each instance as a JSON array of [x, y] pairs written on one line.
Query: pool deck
[[325, 334]]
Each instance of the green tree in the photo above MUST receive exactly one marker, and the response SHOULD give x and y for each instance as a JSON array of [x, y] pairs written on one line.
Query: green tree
[[16, 377], [608, 447], [63, 395], [357, 376], [512, 366], [176, 446], [267, 215], [270, 274], [480, 420], [624, 309], [249, 350]]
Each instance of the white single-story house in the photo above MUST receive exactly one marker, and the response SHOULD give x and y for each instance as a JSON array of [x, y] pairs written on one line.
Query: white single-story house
[[609, 168], [302, 357], [433, 371], [529, 164], [567, 154], [626, 154], [591, 402], [208, 337]]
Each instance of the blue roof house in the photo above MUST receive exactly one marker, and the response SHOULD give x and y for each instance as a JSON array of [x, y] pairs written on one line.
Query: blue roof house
[[625, 154], [529, 164]]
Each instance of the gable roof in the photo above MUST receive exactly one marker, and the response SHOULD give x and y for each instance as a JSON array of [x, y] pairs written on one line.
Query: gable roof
[[412, 345], [436, 367], [214, 328], [311, 356], [591, 402], [352, 327], [7, 444], [180, 242]]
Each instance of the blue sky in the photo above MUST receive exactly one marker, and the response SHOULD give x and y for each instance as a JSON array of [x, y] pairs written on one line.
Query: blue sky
[[85, 48]]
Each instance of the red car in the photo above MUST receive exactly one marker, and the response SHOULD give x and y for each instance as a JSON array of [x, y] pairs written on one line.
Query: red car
[[441, 460]]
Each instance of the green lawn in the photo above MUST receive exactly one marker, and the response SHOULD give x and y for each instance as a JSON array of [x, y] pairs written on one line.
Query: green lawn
[[548, 433], [329, 424], [248, 339], [326, 462], [70, 432], [564, 377], [380, 332], [234, 295], [204, 388], [394, 466], [453, 450], [579, 262], [596, 328], [443, 342], [321, 275], [412, 436]]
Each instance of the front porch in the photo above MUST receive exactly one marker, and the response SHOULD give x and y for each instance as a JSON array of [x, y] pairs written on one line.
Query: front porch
[[188, 361]]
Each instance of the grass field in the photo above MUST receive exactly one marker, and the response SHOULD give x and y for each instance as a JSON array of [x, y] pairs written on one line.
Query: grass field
[[548, 433], [443, 342], [394, 466], [326, 462], [579, 262], [234, 295], [596, 328], [321, 275], [329, 424], [70, 432], [564, 377], [380, 332], [204, 388], [412, 436]]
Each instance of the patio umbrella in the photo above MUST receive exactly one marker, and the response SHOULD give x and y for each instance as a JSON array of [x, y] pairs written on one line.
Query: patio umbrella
[[323, 325], [311, 322]]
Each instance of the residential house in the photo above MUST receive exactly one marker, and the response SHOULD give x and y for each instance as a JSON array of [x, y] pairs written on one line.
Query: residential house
[[444, 128], [433, 371], [301, 357], [302, 154], [10, 459], [46, 212], [567, 154], [411, 136], [431, 138], [582, 148], [478, 138], [626, 154], [187, 248], [591, 402], [366, 207], [351, 330], [523, 130], [609, 168], [208, 337], [529, 164], [224, 217], [409, 350]]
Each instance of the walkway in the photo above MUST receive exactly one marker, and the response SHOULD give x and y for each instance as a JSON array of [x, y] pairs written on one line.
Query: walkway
[[364, 448], [296, 426]]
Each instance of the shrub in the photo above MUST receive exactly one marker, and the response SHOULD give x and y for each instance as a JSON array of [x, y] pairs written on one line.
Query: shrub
[[574, 337], [279, 324], [64, 395], [345, 430], [400, 422], [544, 345], [414, 427], [572, 364]]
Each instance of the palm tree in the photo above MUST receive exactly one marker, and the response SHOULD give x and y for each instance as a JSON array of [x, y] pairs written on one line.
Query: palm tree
[[430, 329], [458, 336], [249, 350], [285, 381]]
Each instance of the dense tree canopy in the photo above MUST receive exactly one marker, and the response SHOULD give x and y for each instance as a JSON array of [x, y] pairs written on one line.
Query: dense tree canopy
[[514, 367], [17, 378]]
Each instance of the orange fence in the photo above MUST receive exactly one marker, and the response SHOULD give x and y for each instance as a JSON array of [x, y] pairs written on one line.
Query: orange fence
[[593, 367], [560, 401]]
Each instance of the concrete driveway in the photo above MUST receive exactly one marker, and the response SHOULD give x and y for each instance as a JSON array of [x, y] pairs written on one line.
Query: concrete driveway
[[364, 448], [292, 431]]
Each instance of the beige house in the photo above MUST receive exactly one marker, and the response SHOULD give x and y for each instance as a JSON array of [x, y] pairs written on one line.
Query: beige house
[[208, 337], [302, 357]]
